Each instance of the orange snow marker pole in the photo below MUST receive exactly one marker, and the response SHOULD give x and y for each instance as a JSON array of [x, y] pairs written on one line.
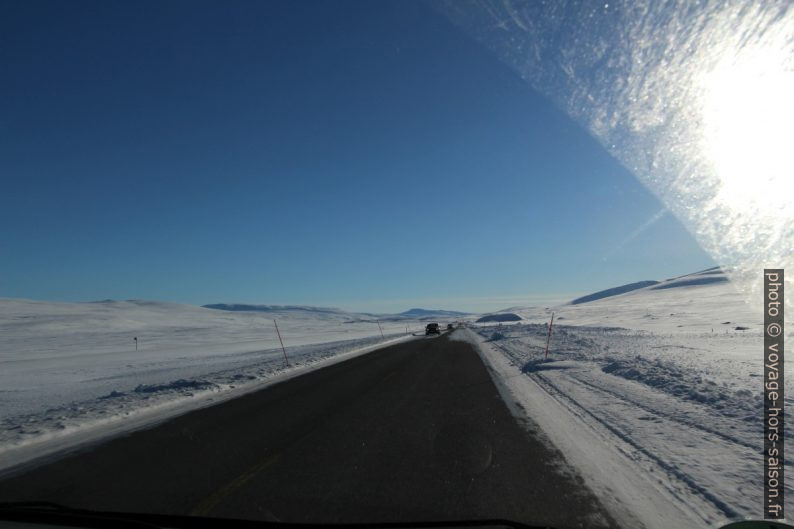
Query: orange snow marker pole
[[548, 338]]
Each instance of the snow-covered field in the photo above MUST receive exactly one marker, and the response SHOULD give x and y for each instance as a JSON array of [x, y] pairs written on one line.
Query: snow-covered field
[[655, 395], [70, 372]]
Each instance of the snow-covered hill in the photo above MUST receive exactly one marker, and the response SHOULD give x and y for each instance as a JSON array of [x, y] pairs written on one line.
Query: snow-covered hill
[[699, 302], [424, 314], [283, 310], [614, 291]]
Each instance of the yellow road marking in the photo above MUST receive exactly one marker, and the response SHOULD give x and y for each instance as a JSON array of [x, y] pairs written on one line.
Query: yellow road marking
[[211, 501]]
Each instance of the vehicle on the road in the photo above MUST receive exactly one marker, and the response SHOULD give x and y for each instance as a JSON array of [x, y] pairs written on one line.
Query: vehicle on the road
[[432, 328], [450, 326]]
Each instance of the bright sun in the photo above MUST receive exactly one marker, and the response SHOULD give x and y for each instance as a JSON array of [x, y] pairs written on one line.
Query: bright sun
[[748, 112]]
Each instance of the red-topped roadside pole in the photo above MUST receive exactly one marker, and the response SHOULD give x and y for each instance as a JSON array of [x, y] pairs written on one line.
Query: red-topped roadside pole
[[548, 338]]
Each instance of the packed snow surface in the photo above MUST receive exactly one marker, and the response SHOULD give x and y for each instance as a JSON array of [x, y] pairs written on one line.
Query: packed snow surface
[[655, 395]]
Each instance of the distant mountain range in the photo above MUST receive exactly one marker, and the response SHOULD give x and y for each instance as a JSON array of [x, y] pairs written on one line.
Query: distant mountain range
[[424, 313], [242, 307], [410, 314]]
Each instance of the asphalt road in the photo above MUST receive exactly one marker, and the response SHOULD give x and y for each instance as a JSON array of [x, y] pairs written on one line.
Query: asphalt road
[[415, 431]]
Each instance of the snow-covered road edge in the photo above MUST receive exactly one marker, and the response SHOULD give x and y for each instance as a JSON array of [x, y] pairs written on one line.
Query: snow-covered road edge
[[633, 497], [55, 445]]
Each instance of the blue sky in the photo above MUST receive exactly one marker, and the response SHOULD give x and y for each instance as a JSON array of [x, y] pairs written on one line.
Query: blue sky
[[366, 155]]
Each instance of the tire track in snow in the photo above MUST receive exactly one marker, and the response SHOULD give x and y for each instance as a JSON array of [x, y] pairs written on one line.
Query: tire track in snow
[[672, 471], [668, 416]]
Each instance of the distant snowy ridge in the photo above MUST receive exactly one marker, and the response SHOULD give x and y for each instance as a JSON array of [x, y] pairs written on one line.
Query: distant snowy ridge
[[243, 307], [410, 314], [614, 291], [703, 277], [499, 316], [432, 313]]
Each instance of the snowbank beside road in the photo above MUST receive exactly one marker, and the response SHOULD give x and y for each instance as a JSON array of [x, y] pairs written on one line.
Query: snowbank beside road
[[655, 395], [62, 428], [70, 373]]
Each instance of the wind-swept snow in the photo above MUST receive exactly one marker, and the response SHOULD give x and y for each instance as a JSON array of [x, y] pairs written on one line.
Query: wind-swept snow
[[655, 395], [71, 372]]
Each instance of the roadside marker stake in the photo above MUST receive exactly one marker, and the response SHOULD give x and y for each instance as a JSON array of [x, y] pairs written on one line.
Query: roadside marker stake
[[548, 338], [381, 330], [282, 342]]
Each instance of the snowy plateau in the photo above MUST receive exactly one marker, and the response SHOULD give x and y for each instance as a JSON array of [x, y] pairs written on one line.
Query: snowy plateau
[[652, 393]]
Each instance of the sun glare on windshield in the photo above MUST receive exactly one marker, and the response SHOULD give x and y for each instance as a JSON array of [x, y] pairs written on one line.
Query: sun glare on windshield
[[747, 111], [694, 98]]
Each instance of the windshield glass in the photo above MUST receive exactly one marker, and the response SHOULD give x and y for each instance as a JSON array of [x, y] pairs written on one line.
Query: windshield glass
[[396, 261]]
